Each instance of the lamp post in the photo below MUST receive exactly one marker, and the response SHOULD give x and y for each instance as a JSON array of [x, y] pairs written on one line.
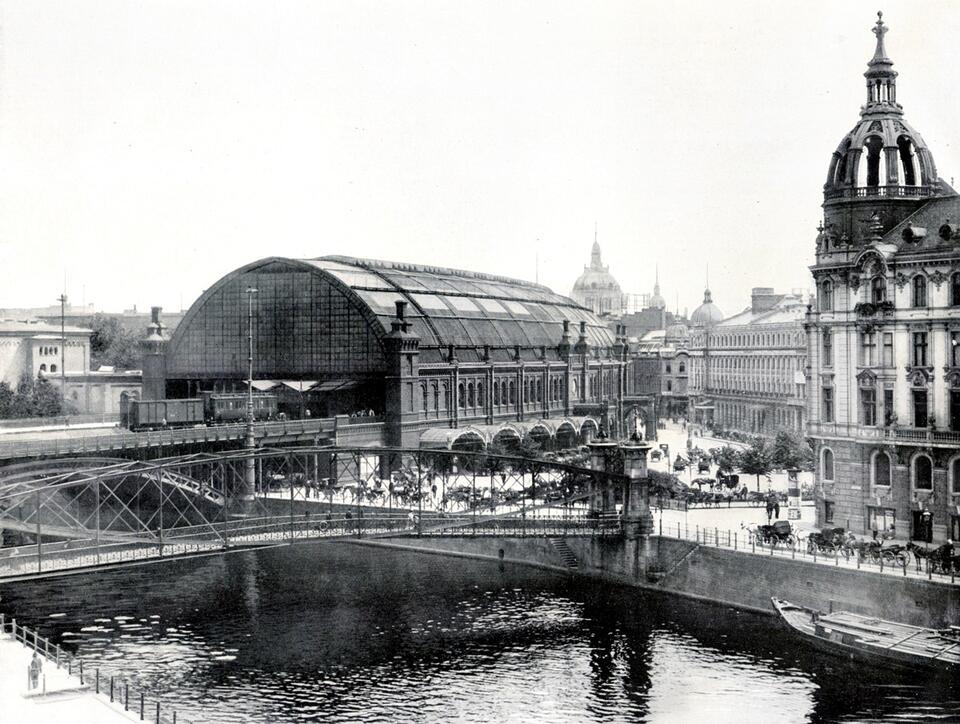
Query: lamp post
[[249, 478], [63, 348]]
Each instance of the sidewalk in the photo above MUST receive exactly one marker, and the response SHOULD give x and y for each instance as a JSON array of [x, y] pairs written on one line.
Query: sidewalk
[[65, 699]]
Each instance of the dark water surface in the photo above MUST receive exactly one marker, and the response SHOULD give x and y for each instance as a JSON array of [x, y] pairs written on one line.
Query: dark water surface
[[340, 633]]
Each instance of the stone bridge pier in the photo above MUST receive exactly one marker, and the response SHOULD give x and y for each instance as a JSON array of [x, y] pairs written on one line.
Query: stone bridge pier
[[633, 496]]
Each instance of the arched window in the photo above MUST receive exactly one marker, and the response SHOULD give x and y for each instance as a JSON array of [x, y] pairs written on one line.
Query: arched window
[[426, 398], [919, 291], [53, 368], [881, 469], [43, 367], [827, 467], [955, 289], [826, 296], [683, 368], [461, 395], [513, 392], [471, 396], [539, 390], [922, 473], [481, 400], [955, 475], [436, 397], [878, 289]]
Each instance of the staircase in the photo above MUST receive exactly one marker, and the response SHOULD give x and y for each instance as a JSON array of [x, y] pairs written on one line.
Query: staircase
[[563, 550]]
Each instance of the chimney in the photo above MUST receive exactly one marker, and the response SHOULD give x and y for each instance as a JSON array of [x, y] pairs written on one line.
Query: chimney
[[763, 299]]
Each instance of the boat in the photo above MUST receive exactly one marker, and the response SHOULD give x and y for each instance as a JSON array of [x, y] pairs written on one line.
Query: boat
[[874, 640]]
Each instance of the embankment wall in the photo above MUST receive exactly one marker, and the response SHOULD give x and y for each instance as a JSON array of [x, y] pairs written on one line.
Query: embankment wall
[[740, 579]]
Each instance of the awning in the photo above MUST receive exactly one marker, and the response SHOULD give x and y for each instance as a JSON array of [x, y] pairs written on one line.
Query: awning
[[297, 385], [333, 385], [264, 385]]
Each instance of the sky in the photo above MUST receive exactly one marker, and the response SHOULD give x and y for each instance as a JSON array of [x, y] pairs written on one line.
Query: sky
[[149, 148]]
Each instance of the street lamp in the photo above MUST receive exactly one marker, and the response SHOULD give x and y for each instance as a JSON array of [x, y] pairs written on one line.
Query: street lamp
[[63, 348], [250, 477], [250, 291]]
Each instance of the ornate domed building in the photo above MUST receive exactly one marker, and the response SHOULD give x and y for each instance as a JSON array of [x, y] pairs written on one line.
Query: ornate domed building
[[707, 314], [597, 289], [884, 336]]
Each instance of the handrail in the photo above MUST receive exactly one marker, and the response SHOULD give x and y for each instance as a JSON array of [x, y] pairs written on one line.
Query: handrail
[[112, 685]]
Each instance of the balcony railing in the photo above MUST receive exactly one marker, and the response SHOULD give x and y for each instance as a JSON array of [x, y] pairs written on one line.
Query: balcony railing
[[898, 434], [863, 192]]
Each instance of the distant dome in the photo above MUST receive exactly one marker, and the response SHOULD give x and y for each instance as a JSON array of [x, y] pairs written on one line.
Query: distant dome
[[657, 301], [707, 314], [597, 289], [677, 332]]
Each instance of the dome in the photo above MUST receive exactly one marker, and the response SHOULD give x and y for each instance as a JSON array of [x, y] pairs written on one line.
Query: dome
[[677, 332], [597, 289], [883, 155], [707, 314]]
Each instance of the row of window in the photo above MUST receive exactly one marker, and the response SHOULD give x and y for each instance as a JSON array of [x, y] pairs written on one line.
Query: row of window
[[752, 339], [874, 408], [47, 351], [881, 470], [878, 292], [43, 367], [870, 356]]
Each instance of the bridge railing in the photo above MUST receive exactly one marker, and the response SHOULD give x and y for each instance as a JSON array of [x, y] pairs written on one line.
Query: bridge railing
[[109, 682]]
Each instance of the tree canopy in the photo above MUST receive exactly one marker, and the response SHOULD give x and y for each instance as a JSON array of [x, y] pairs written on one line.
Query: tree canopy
[[756, 459], [112, 344], [791, 450], [31, 398]]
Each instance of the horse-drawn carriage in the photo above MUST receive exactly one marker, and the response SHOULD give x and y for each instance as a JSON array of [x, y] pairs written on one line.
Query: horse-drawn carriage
[[779, 533]]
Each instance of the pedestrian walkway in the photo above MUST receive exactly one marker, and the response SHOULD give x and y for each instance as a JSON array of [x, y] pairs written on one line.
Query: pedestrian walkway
[[64, 700]]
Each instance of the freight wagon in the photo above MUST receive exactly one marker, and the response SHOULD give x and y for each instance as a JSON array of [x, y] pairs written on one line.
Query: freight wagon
[[211, 408]]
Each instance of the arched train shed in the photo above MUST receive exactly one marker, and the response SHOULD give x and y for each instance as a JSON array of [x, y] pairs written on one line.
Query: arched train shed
[[420, 347]]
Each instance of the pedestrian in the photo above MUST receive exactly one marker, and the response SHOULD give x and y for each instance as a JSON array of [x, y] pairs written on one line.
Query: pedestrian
[[776, 510], [36, 666], [769, 509]]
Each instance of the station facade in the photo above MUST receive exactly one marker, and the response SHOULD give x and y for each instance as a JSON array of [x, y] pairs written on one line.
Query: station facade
[[439, 357], [883, 339]]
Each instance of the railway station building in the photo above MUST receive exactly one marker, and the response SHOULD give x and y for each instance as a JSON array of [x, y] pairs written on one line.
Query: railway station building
[[435, 356]]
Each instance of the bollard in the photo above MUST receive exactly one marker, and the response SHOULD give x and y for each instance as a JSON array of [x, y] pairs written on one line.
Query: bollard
[[44, 685], [929, 573], [881, 563], [126, 697], [753, 544], [698, 533], [81, 672], [70, 667], [734, 541], [58, 656], [678, 530], [904, 568], [111, 689], [97, 679], [141, 706], [716, 538], [158, 712]]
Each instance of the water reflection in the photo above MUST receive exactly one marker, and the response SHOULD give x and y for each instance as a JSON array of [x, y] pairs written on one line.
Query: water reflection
[[338, 633]]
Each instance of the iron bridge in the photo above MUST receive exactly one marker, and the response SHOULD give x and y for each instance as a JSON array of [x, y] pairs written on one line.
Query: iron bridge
[[70, 515]]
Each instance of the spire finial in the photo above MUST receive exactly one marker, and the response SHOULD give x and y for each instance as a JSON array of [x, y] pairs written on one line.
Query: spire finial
[[880, 30]]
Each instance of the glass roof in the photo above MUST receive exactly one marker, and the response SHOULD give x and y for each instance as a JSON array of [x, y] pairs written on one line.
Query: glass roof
[[462, 308]]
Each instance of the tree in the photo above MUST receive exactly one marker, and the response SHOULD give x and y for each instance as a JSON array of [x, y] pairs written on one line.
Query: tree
[[756, 459], [791, 450], [112, 344], [727, 459], [32, 398]]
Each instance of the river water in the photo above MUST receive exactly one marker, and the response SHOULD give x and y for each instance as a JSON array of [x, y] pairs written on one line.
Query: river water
[[339, 633]]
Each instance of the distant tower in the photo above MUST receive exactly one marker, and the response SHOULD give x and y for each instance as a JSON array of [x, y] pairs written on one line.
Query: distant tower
[[596, 289], [154, 365]]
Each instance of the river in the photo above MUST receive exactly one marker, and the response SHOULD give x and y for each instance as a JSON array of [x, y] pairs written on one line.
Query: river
[[338, 633]]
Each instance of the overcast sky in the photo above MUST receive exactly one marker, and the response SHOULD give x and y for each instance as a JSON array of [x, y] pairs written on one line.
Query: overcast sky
[[148, 148]]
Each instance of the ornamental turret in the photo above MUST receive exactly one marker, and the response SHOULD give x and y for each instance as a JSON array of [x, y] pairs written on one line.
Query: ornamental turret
[[882, 166]]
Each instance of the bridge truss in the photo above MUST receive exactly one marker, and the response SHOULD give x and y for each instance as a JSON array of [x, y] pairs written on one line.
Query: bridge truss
[[73, 514]]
